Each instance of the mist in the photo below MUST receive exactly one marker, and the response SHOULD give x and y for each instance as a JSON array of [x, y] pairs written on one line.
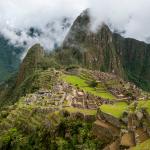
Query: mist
[[47, 22], [131, 18]]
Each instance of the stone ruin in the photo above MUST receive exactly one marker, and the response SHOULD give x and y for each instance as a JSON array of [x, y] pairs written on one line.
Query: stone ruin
[[106, 127], [121, 134]]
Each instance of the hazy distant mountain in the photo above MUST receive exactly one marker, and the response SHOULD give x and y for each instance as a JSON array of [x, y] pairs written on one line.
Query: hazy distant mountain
[[9, 58]]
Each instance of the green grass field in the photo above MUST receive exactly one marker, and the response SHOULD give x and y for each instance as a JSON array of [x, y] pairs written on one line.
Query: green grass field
[[115, 110], [82, 83], [144, 104]]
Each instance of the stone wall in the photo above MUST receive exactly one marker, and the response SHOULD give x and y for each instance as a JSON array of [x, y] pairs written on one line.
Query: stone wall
[[105, 131], [79, 115], [109, 118]]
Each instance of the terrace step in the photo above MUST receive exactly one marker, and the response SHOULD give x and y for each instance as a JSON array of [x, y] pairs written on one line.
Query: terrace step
[[105, 131], [141, 136], [113, 146], [128, 140]]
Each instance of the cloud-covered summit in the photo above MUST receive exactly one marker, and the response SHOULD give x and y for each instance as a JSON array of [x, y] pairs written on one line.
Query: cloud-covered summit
[[47, 22], [130, 17], [51, 18]]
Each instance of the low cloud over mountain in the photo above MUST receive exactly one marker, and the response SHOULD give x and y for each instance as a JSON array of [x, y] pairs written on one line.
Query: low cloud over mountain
[[52, 19]]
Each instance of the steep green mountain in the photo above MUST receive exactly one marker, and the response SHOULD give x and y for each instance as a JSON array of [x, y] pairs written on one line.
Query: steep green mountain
[[9, 58], [135, 56], [26, 79], [30, 63], [106, 51], [96, 49]]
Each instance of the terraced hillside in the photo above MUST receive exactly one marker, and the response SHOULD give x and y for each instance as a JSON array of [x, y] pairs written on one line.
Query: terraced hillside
[[70, 104], [86, 85]]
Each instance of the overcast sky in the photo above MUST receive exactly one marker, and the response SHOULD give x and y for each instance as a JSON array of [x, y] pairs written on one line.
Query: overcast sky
[[17, 16]]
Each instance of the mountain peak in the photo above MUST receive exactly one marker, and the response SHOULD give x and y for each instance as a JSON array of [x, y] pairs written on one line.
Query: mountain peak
[[95, 47], [107, 51], [30, 62], [35, 50]]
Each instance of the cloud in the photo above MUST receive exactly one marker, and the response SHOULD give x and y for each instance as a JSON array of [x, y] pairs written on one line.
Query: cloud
[[131, 17], [51, 18], [48, 21]]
